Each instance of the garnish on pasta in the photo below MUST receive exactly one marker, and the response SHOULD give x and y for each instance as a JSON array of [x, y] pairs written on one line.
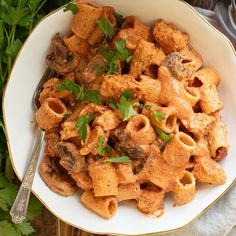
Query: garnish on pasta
[[165, 137], [81, 124], [159, 116], [106, 27], [103, 150], [71, 7], [118, 159]]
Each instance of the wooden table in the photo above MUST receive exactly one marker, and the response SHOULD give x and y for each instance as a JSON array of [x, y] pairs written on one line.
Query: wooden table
[[47, 224]]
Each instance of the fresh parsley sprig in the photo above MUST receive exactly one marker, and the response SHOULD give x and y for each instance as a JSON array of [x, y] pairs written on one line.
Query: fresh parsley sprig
[[165, 137], [71, 7], [79, 92], [118, 159], [8, 193], [106, 27], [81, 125], [112, 57], [159, 116], [123, 52], [125, 105], [101, 149], [119, 19]]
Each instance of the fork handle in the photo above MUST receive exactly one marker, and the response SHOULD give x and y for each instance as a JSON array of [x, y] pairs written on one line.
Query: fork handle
[[19, 208]]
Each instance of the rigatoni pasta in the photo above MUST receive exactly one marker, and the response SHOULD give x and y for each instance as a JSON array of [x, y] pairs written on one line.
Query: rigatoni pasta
[[131, 113]]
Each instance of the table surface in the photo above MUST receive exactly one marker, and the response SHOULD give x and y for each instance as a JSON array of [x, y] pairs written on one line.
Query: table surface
[[47, 224]]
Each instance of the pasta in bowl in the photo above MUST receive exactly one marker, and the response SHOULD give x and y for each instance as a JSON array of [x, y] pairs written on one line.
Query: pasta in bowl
[[130, 114], [139, 120]]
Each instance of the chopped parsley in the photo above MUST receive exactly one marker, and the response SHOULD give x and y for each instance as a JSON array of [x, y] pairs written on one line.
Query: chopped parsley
[[159, 116], [147, 107], [165, 137], [118, 159], [106, 27], [126, 107], [78, 91], [103, 150], [113, 55], [71, 7], [123, 52], [119, 19], [81, 125]]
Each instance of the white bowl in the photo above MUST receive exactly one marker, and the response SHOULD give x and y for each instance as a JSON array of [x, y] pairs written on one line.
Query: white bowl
[[216, 50]]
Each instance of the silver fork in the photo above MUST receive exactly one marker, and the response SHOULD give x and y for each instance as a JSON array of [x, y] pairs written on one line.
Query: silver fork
[[233, 3], [19, 208]]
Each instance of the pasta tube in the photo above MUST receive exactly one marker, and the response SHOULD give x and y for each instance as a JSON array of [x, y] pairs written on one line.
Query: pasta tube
[[140, 130], [97, 35], [168, 123], [210, 100], [103, 206], [151, 201], [144, 56], [218, 142], [149, 89], [85, 20], [185, 188], [205, 76], [125, 173], [207, 170], [50, 114], [200, 124], [128, 191], [178, 151], [169, 37], [104, 178]]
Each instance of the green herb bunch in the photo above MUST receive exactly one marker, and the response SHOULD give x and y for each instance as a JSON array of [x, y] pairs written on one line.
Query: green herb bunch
[[17, 19]]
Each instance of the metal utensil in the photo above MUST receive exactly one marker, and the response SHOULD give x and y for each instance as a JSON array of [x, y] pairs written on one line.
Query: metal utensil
[[223, 15], [232, 13], [19, 208], [233, 4]]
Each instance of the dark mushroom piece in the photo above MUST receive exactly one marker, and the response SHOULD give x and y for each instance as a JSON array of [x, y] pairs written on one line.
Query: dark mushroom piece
[[70, 157], [60, 58], [56, 177]]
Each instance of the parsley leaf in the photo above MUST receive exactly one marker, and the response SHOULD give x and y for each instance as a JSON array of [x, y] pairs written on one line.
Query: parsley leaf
[[24, 228], [147, 107], [35, 208], [106, 27], [7, 229], [66, 116], [112, 103], [119, 19], [81, 124], [71, 7], [112, 57], [159, 116], [126, 107], [70, 85], [78, 91], [103, 150], [111, 66], [127, 94], [13, 48], [165, 137], [122, 50], [92, 96], [118, 159]]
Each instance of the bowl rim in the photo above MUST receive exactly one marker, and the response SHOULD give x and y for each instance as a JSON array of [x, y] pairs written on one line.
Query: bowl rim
[[45, 205]]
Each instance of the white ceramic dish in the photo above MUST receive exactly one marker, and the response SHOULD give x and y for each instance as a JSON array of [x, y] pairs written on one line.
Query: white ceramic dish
[[18, 115]]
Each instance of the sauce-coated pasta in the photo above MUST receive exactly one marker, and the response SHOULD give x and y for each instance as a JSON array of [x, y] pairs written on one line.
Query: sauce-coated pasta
[[130, 114]]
